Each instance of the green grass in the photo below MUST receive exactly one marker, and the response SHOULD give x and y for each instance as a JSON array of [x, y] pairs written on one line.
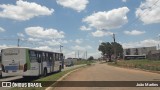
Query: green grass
[[141, 64], [53, 78], [84, 62]]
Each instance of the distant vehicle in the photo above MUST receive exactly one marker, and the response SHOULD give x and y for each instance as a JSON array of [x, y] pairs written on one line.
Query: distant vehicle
[[128, 57], [29, 62], [70, 61]]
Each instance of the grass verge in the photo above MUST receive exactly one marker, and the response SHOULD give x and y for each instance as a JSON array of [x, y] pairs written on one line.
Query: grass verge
[[88, 62], [141, 64]]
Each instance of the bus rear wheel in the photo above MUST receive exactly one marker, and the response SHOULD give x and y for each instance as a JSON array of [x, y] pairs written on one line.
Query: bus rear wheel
[[60, 68], [45, 72]]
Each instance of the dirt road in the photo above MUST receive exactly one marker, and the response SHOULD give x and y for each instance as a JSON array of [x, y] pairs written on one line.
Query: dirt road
[[104, 72]]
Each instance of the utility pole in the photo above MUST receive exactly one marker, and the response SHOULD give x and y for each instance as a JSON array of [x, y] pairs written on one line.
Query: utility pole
[[75, 54], [18, 42], [61, 48], [86, 55], [78, 54], [114, 46], [158, 41]]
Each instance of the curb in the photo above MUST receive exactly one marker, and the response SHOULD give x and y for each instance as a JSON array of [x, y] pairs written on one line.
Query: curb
[[60, 79]]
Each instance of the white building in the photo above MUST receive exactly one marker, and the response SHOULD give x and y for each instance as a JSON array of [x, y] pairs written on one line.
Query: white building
[[138, 51]]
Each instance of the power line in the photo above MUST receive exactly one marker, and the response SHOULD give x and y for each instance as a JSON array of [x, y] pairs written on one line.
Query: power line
[[8, 39], [135, 20]]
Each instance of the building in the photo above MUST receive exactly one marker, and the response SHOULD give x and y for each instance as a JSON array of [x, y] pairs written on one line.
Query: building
[[139, 51]]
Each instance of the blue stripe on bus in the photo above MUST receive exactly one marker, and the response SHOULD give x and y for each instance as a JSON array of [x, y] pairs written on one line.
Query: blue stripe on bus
[[11, 67]]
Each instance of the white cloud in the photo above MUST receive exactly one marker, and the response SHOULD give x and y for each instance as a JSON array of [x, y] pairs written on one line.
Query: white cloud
[[108, 20], [144, 43], [40, 32], [81, 48], [47, 48], [20, 34], [78, 41], [70, 54], [53, 42], [3, 46], [99, 33], [23, 10], [100, 41], [134, 32], [124, 0], [95, 54], [77, 5], [149, 11], [6, 46], [84, 28], [33, 39], [2, 29], [88, 47]]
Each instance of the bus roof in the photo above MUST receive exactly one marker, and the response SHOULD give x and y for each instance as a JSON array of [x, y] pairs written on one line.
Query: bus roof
[[30, 49]]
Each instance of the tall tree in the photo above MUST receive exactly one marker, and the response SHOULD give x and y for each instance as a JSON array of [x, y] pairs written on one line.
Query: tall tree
[[107, 49], [119, 49], [91, 58]]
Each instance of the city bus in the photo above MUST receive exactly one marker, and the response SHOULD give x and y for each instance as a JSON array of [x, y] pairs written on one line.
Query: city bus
[[128, 57], [29, 62]]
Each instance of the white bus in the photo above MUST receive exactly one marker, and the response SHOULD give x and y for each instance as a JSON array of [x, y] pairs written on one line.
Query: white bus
[[29, 62]]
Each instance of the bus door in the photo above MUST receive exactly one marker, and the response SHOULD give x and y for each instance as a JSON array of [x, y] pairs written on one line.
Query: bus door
[[50, 61], [40, 63], [53, 62], [62, 60]]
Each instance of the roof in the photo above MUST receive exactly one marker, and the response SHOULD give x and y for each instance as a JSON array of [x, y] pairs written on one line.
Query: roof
[[30, 49]]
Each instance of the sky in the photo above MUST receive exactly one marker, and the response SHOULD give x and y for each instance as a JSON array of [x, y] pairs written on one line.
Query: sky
[[79, 25]]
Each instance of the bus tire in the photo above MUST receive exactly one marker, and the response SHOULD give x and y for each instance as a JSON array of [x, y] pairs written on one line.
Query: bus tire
[[60, 68], [45, 72]]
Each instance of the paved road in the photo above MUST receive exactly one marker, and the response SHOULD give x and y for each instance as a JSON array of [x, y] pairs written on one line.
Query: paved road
[[104, 72]]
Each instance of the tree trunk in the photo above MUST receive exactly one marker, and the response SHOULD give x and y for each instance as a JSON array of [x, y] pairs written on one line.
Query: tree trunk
[[109, 58]]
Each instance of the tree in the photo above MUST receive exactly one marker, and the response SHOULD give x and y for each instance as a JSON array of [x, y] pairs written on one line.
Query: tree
[[107, 49], [91, 58]]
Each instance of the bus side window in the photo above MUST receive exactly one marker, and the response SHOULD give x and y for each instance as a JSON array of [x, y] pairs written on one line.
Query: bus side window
[[46, 56], [43, 56], [39, 57], [54, 57], [61, 56], [32, 55], [57, 57], [50, 57]]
